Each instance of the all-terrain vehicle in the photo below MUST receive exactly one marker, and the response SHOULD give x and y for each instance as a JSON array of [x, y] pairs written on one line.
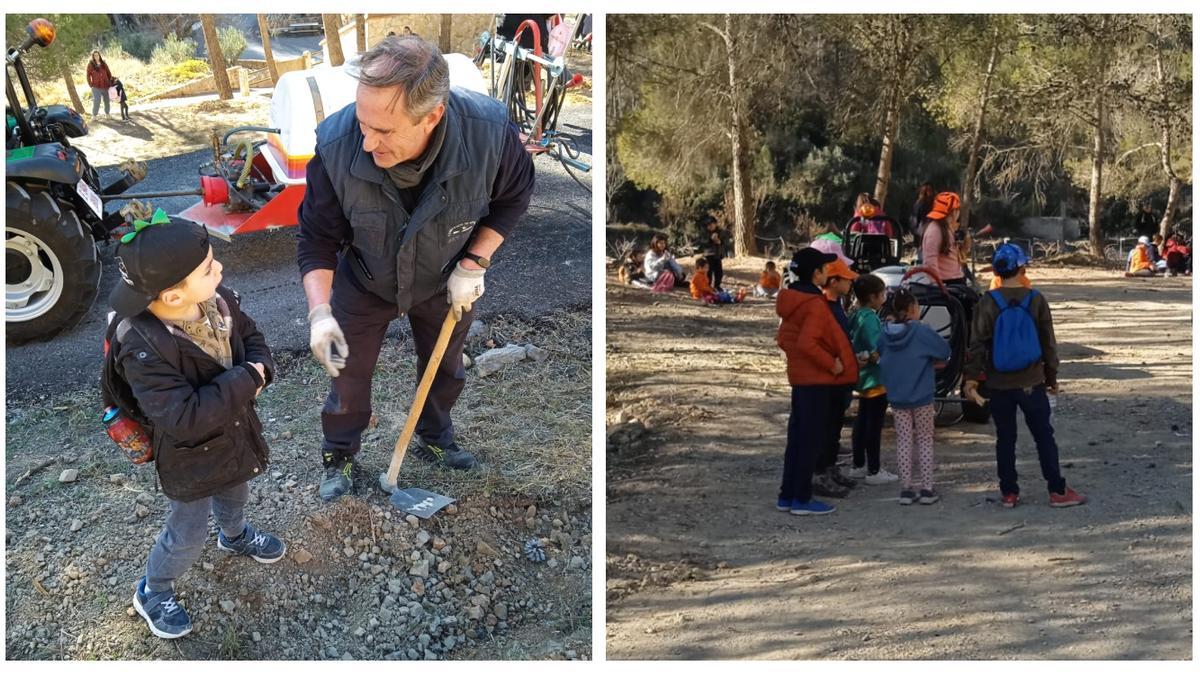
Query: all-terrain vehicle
[[54, 214]]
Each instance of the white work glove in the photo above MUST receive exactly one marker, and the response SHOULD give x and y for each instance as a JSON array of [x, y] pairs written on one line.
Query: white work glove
[[324, 335], [463, 289]]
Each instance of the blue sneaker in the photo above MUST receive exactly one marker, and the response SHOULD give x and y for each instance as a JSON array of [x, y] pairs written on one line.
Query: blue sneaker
[[783, 504], [263, 547], [163, 615], [812, 508]]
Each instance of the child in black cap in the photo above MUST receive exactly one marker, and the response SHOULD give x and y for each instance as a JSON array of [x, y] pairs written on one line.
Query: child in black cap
[[198, 398], [820, 363]]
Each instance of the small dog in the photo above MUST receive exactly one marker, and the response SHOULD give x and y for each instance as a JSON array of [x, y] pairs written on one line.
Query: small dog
[[122, 98]]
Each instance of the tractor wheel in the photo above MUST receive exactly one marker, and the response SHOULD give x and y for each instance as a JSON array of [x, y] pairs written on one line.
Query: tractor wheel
[[52, 272]]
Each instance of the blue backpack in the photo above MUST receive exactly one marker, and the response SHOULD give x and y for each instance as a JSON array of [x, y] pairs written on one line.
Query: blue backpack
[[1015, 343]]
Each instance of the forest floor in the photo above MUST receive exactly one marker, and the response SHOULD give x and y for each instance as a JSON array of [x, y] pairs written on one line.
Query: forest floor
[[700, 565]]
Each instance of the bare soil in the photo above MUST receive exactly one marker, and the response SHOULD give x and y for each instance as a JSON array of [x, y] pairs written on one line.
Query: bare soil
[[700, 565], [352, 584]]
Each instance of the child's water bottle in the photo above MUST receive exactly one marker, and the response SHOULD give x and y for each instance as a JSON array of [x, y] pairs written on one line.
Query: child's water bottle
[[128, 434]]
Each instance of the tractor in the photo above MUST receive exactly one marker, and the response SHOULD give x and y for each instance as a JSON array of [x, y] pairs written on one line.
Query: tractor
[[54, 214]]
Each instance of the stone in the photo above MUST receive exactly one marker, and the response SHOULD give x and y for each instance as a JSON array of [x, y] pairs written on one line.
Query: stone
[[68, 476], [452, 509], [467, 362], [419, 569], [500, 610], [287, 435], [443, 567], [477, 329], [495, 359], [15, 501], [141, 511], [576, 563], [208, 567], [439, 543], [418, 588], [227, 606], [531, 512], [256, 636], [116, 478], [475, 612], [536, 354], [423, 538], [302, 556], [412, 521], [395, 586], [484, 549]]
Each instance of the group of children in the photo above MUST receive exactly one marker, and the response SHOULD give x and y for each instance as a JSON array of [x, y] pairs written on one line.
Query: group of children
[[1153, 256], [891, 360]]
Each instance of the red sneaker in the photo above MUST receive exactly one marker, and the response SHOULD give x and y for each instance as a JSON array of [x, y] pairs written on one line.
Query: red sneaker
[[1009, 501], [1068, 498]]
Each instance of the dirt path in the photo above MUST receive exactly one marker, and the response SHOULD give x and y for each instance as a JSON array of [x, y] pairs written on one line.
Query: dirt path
[[701, 565]]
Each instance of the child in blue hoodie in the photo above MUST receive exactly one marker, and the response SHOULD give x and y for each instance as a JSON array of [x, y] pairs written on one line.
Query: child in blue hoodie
[[908, 354]]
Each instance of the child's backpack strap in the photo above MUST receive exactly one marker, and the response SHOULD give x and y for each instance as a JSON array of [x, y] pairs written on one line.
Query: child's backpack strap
[[114, 389]]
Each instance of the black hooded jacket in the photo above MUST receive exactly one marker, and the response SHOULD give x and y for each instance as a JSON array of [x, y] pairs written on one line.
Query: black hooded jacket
[[201, 417]]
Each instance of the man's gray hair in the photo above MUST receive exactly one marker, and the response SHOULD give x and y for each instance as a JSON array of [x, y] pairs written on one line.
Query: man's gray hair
[[415, 67]]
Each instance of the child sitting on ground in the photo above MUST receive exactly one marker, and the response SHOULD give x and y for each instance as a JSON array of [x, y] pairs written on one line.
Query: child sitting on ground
[[1140, 262], [207, 438], [908, 354], [769, 282], [702, 288], [865, 332], [819, 363], [1014, 354]]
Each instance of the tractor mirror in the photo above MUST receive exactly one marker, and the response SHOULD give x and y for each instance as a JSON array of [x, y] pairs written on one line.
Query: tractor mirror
[[41, 31]]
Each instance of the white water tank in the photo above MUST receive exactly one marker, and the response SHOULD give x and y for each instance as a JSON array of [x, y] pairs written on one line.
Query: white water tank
[[301, 95]]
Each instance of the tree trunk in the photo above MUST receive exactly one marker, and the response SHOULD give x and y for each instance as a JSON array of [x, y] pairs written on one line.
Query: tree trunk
[[744, 243], [333, 39], [890, 127], [968, 184], [1164, 148], [214, 57], [360, 31], [75, 100], [444, 39], [1095, 236], [265, 33]]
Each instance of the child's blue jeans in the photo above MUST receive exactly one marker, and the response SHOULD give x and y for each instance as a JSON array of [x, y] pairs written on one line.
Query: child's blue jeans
[[1036, 407], [182, 540]]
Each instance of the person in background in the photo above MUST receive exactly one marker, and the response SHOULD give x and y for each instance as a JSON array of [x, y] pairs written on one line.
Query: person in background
[[659, 261], [916, 219], [713, 247], [866, 330], [1147, 221], [769, 282], [1140, 262], [99, 78]]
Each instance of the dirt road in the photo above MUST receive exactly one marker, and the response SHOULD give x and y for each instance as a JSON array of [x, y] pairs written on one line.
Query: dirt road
[[701, 565]]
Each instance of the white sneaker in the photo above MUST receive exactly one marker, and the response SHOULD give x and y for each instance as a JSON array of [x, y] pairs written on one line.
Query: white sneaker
[[857, 472], [882, 478]]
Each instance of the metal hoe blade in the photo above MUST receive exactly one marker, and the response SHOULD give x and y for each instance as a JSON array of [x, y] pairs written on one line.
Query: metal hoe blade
[[420, 503]]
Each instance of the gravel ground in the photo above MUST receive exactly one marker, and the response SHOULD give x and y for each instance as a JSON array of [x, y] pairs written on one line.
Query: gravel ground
[[361, 580]]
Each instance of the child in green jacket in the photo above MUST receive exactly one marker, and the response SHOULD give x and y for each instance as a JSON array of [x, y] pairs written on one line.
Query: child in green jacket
[[865, 332]]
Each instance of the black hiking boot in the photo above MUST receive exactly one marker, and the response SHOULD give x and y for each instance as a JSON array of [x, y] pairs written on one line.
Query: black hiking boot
[[339, 476], [449, 455]]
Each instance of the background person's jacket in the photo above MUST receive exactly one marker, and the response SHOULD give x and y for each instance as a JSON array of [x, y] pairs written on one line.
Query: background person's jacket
[[98, 76], [866, 332], [205, 430], [812, 338], [979, 356], [482, 176], [907, 353]]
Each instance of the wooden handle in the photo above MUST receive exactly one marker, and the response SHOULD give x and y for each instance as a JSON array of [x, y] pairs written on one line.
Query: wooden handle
[[410, 425]]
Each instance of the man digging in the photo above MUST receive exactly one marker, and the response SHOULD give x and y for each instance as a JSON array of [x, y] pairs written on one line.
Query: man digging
[[411, 190]]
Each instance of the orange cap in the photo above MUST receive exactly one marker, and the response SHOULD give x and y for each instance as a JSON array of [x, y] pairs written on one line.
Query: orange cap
[[838, 268], [943, 204]]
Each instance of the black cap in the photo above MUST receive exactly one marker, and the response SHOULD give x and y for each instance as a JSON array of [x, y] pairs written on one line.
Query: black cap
[[808, 260], [154, 257]]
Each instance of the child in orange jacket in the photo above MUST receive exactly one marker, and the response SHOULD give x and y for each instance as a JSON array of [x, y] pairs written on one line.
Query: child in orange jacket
[[769, 282], [702, 288], [820, 363]]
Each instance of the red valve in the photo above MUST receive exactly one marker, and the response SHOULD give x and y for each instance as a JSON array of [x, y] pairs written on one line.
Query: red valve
[[216, 190]]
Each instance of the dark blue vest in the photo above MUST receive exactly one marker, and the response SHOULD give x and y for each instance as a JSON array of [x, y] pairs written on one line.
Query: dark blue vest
[[406, 257]]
